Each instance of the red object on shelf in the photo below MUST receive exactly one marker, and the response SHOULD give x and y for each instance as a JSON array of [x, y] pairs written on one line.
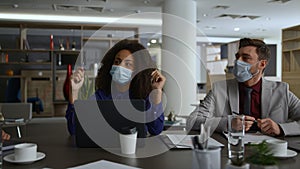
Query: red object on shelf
[[51, 42], [67, 83], [6, 58]]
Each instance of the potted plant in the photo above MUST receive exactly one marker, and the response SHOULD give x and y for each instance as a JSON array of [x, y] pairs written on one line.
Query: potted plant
[[261, 157]]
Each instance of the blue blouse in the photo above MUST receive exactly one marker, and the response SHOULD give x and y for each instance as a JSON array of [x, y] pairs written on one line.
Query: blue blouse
[[153, 112]]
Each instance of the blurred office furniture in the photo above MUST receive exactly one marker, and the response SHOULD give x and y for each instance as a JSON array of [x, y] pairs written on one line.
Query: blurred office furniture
[[16, 114]]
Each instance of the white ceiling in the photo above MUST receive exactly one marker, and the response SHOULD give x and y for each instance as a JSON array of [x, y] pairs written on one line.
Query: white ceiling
[[273, 16]]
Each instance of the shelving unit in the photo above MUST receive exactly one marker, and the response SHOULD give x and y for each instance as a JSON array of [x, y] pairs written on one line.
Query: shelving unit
[[31, 59], [25, 57], [291, 58], [26, 63]]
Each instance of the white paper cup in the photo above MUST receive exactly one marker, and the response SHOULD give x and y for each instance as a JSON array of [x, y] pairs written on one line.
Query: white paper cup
[[277, 147], [207, 159], [128, 143], [25, 152]]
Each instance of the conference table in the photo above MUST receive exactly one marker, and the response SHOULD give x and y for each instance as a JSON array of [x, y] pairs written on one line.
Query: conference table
[[54, 140]]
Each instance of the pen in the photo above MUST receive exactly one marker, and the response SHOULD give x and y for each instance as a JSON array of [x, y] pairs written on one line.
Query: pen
[[233, 112], [254, 121], [196, 143]]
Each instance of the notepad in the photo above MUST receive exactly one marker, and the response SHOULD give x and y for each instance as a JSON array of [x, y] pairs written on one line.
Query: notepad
[[185, 141]]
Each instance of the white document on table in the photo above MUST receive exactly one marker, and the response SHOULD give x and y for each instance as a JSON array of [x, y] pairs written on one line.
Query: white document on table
[[185, 141], [103, 164], [255, 138]]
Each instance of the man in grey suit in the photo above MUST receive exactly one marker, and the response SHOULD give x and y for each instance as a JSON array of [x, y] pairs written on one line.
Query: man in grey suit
[[269, 107]]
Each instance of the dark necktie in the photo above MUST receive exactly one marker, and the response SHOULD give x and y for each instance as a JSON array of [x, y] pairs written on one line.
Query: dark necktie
[[247, 101]]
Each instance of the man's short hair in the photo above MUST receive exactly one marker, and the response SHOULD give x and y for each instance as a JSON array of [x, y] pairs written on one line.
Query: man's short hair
[[261, 48]]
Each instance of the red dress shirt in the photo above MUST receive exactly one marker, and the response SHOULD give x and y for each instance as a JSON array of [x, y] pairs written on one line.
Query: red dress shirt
[[255, 99]]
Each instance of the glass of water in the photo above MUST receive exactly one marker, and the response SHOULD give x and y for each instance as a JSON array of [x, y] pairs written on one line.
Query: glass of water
[[236, 133]]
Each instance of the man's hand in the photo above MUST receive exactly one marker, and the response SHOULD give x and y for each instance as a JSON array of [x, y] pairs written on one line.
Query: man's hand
[[248, 122], [268, 126], [5, 136]]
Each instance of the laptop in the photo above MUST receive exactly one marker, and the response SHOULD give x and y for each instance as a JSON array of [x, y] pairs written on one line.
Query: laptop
[[16, 112], [100, 122]]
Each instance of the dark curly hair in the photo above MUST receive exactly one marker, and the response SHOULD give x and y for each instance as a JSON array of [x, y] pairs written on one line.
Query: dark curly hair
[[140, 85]]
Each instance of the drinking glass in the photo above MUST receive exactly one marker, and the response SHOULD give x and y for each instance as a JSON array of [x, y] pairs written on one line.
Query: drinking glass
[[236, 133]]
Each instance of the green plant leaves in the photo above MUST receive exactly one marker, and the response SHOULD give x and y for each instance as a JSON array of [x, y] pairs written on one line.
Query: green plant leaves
[[260, 154]]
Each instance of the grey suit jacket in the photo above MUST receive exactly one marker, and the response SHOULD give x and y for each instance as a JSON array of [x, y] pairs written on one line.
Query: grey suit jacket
[[278, 103]]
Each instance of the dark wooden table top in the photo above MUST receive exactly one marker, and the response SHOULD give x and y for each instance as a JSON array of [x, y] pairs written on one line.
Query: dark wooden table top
[[53, 140]]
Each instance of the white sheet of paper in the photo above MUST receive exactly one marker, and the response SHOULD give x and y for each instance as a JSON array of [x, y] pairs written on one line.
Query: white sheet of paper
[[255, 137], [185, 141], [103, 164]]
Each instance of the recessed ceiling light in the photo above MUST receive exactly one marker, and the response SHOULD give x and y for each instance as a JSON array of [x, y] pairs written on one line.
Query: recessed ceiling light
[[204, 14], [236, 29], [147, 2], [153, 41], [137, 11], [148, 44]]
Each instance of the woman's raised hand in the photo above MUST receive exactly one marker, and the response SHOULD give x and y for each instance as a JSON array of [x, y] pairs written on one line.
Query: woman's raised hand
[[77, 79], [157, 80]]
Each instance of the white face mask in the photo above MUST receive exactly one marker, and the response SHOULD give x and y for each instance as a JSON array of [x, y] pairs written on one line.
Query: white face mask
[[120, 75], [241, 71]]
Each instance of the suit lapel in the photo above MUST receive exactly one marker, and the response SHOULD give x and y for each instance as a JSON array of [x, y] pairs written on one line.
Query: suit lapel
[[266, 94], [233, 93]]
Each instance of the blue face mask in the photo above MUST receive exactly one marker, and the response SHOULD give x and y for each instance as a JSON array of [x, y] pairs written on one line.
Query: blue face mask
[[241, 71], [120, 74]]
